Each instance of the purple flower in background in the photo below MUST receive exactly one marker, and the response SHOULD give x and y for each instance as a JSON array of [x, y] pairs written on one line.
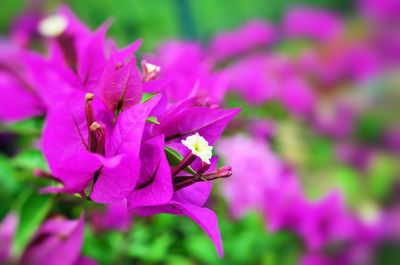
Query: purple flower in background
[[256, 173], [360, 157], [391, 139], [257, 77], [297, 96], [284, 205], [25, 28], [114, 217], [340, 62], [58, 241], [183, 65], [252, 35], [380, 10], [316, 24], [19, 98], [325, 221], [337, 121], [261, 128]]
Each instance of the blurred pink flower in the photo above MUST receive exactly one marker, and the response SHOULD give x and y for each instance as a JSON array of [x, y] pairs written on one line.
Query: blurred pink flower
[[316, 24], [252, 35]]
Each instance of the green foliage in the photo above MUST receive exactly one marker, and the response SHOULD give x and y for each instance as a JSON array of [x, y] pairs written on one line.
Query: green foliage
[[31, 210]]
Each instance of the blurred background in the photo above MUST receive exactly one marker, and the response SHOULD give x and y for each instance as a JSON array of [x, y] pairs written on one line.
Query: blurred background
[[330, 136]]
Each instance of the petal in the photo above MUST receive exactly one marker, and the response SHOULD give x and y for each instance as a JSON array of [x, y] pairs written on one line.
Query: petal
[[209, 123], [114, 183], [207, 220], [120, 88], [58, 241], [17, 101], [159, 190], [128, 130]]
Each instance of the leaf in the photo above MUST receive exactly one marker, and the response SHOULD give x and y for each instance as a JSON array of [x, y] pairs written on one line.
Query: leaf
[[152, 119], [174, 158], [25, 127], [31, 209], [146, 97], [30, 159], [7, 175]]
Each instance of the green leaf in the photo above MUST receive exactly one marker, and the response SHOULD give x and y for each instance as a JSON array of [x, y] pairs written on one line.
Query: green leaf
[[146, 97], [152, 119], [31, 209], [30, 159], [7, 175], [174, 158], [26, 127]]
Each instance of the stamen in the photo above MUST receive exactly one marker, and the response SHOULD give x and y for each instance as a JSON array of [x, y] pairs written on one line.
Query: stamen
[[92, 138], [118, 65], [181, 182], [100, 135], [186, 161], [203, 167], [223, 172]]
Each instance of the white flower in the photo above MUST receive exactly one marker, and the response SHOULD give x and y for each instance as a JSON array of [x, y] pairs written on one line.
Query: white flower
[[53, 26], [150, 68], [199, 147]]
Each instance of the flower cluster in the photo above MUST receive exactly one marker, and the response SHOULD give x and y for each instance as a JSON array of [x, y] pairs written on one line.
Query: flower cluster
[[113, 133], [139, 137]]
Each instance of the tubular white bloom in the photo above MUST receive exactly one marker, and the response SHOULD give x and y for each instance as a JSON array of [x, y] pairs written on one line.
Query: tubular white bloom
[[53, 26], [199, 147]]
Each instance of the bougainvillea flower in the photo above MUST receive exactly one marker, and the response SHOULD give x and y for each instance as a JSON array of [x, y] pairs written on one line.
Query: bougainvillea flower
[[297, 96], [281, 207], [261, 128], [19, 98], [191, 193], [78, 54], [181, 124], [383, 10], [25, 28], [191, 130], [188, 117], [316, 24], [252, 35], [58, 241], [261, 182], [154, 186], [360, 157], [256, 172], [259, 78], [114, 217], [121, 84], [340, 62], [336, 121], [325, 221], [15, 95], [183, 64], [84, 142]]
